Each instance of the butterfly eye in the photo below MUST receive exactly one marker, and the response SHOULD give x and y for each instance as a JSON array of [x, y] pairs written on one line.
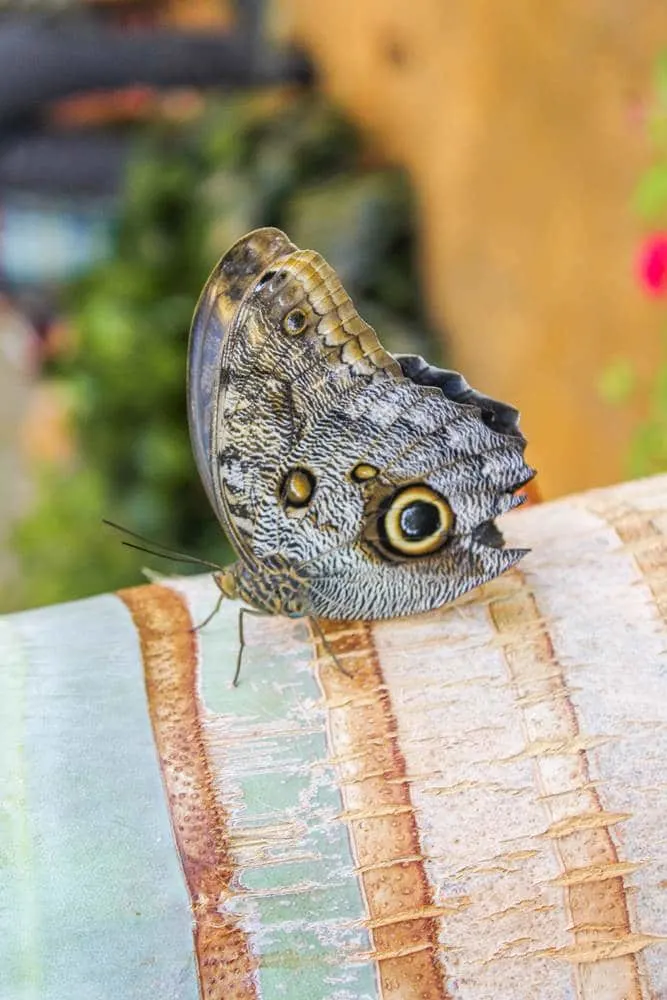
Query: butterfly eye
[[295, 322], [362, 472], [297, 488], [417, 521]]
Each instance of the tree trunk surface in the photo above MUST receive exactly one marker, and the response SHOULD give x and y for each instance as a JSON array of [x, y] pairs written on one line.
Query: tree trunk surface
[[473, 808]]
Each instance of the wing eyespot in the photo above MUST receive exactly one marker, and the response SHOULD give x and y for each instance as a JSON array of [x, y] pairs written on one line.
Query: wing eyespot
[[363, 472], [416, 522], [297, 488], [295, 322]]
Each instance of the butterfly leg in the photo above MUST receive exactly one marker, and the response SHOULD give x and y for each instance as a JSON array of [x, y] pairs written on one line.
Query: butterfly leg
[[197, 628], [242, 612], [325, 642]]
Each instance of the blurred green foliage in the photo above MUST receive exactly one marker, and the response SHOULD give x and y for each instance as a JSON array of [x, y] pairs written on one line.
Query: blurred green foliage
[[620, 381], [191, 191]]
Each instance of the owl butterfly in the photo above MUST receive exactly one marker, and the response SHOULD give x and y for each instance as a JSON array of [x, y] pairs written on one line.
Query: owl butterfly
[[353, 484]]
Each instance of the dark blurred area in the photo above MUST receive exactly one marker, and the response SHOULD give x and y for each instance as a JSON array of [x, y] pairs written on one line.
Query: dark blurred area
[[137, 141], [75, 88]]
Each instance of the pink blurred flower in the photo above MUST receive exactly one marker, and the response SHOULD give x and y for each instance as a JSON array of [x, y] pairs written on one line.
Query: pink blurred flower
[[652, 264]]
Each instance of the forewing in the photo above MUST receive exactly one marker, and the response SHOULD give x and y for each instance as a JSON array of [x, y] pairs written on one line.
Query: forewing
[[275, 340]]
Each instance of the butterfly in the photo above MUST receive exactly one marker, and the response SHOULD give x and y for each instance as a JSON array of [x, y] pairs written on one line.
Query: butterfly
[[353, 484]]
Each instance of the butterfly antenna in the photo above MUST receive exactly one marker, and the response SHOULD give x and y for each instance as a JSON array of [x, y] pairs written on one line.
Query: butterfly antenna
[[173, 556], [156, 546]]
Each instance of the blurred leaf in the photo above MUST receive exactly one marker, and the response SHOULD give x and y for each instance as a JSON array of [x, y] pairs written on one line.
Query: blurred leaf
[[353, 221], [617, 382], [648, 456], [650, 198], [230, 201], [660, 80], [659, 395]]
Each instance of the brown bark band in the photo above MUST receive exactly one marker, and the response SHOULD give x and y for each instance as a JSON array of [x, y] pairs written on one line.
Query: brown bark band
[[362, 734], [226, 967], [604, 950]]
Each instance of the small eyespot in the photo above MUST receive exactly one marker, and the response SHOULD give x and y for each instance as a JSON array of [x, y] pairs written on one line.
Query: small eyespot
[[264, 280], [416, 522], [297, 488], [362, 472], [295, 322]]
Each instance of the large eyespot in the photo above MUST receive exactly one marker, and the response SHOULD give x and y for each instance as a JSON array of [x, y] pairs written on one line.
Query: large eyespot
[[297, 488], [362, 472], [295, 322], [416, 522]]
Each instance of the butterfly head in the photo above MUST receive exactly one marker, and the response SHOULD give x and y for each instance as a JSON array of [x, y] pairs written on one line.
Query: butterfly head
[[227, 583]]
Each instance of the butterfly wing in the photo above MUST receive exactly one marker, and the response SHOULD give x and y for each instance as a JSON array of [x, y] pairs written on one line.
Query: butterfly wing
[[214, 336], [264, 351], [427, 451], [374, 480]]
